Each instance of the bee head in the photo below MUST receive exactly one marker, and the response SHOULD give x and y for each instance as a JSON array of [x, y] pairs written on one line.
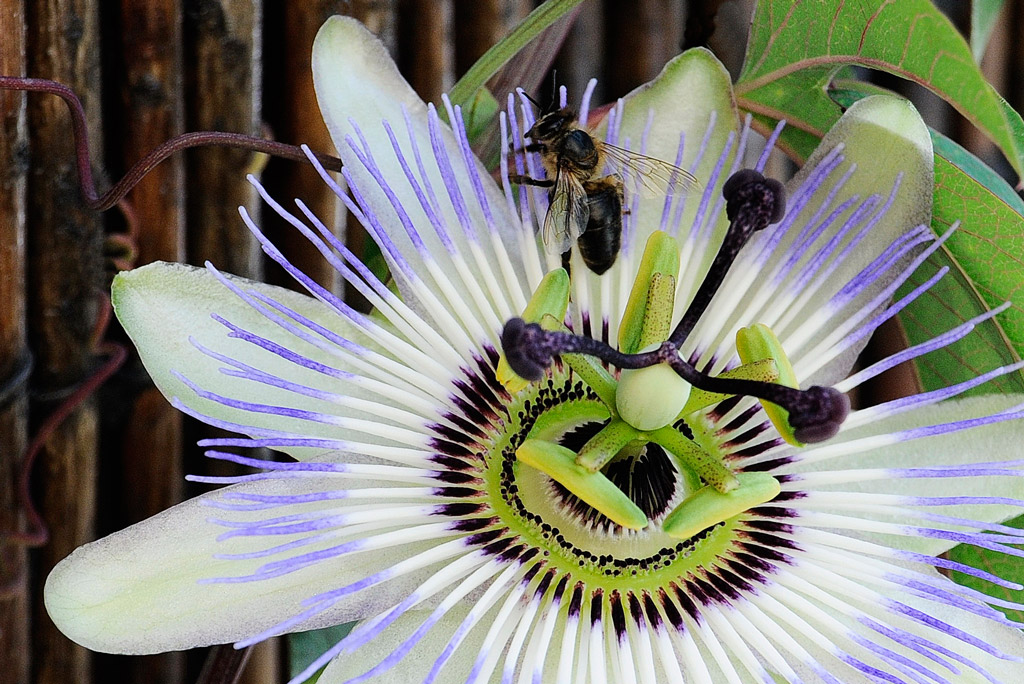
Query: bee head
[[552, 125]]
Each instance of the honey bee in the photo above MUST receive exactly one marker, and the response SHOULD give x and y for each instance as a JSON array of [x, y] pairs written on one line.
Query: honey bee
[[583, 206]]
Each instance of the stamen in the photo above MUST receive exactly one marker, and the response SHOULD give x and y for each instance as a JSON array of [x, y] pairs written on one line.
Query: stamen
[[752, 203], [605, 445], [758, 343], [660, 258]]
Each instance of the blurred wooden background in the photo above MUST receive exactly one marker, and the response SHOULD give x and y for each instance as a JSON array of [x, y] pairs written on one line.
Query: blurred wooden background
[[147, 70]]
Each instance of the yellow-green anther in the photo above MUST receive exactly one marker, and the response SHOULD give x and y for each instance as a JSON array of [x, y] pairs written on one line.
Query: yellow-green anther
[[651, 398], [657, 325], [559, 463], [689, 454], [588, 368], [602, 447], [761, 371], [661, 256], [551, 298], [708, 506], [756, 343]]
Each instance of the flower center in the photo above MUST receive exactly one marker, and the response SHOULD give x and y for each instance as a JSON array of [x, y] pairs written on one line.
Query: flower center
[[579, 538], [624, 473], [653, 390]]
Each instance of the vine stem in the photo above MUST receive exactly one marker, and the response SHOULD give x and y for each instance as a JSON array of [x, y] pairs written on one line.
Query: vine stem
[[98, 202]]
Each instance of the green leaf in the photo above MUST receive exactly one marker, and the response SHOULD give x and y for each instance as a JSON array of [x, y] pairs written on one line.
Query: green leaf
[[1007, 567], [796, 48], [988, 247], [946, 305], [983, 18], [305, 647], [480, 113], [492, 60]]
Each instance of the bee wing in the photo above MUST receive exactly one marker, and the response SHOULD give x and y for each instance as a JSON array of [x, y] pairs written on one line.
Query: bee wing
[[647, 176], [568, 213]]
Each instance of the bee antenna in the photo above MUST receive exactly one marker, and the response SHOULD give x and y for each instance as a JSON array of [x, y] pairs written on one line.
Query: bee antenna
[[554, 89], [540, 108]]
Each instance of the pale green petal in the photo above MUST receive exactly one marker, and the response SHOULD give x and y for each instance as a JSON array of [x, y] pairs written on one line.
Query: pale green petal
[[990, 443], [137, 591], [692, 90], [886, 138], [162, 306]]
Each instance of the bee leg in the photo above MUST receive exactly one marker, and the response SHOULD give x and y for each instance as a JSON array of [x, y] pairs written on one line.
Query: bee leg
[[526, 180], [532, 147]]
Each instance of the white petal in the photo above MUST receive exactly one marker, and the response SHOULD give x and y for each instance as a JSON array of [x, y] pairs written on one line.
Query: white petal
[[775, 280], [838, 614], [873, 124], [1007, 639], [359, 89], [692, 94], [139, 591], [690, 101], [163, 306], [823, 608], [985, 444], [418, 663]]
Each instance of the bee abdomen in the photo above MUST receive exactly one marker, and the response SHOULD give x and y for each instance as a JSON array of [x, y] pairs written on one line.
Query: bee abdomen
[[599, 243]]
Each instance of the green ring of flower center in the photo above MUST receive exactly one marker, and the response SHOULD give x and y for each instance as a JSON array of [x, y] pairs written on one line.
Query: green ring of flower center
[[617, 559]]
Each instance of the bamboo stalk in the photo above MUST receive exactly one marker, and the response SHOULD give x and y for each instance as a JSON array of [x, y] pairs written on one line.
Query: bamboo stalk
[[67, 471], [292, 110], [264, 663], [15, 607], [153, 109], [424, 46], [223, 84], [65, 278], [293, 114], [151, 93], [641, 37]]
